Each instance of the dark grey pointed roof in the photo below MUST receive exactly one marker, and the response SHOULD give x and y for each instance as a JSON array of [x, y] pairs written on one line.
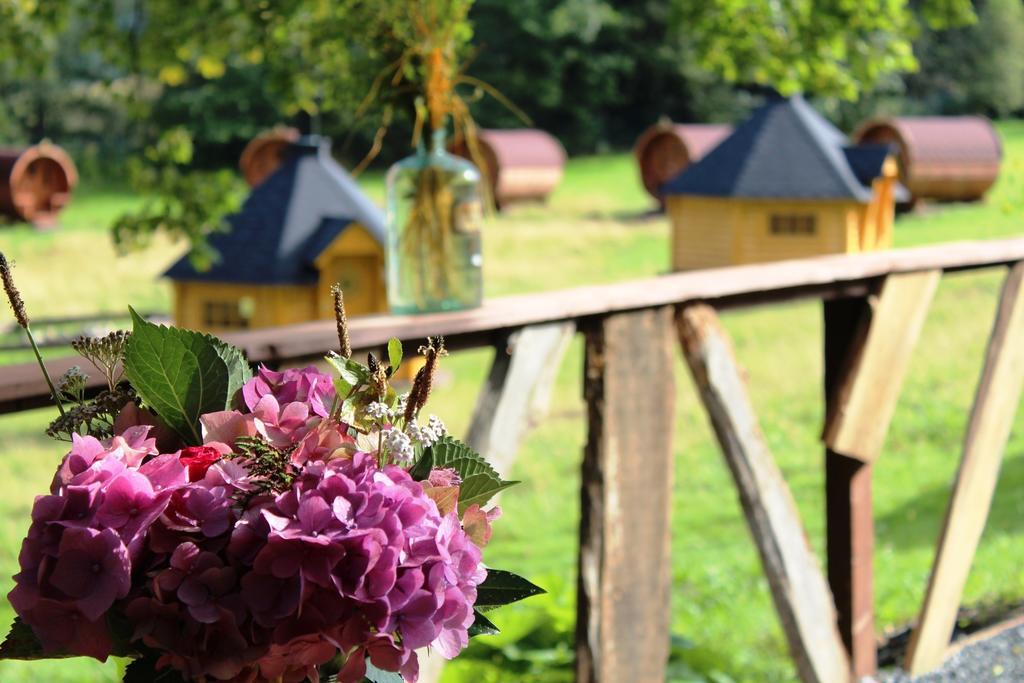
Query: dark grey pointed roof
[[784, 150], [287, 221]]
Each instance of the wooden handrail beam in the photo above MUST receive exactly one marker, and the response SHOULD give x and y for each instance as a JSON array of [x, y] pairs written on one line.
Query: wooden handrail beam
[[815, 277], [821, 277]]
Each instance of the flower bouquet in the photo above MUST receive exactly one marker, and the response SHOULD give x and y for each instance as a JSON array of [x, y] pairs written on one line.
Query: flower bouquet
[[215, 525]]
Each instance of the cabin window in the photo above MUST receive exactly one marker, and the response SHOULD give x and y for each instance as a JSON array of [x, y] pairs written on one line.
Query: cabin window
[[228, 315], [793, 224]]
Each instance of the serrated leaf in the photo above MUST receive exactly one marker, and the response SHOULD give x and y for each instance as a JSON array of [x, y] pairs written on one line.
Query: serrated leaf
[[21, 643], [480, 488], [502, 588], [482, 626], [375, 675], [181, 374], [452, 453], [467, 467], [238, 368], [394, 353]]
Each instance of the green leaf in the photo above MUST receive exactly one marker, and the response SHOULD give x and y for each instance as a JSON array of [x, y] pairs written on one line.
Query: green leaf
[[143, 670], [502, 588], [21, 643], [341, 387], [421, 470], [482, 626], [479, 480], [238, 368], [394, 353], [349, 370], [467, 467], [479, 488], [182, 374], [451, 453], [375, 675]]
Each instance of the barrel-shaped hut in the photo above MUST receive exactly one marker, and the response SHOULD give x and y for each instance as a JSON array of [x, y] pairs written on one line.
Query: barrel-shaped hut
[[522, 164], [265, 152], [36, 183], [945, 158], [664, 150]]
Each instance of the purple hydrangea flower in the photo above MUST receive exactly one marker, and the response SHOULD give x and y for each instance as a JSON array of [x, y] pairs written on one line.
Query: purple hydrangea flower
[[92, 569]]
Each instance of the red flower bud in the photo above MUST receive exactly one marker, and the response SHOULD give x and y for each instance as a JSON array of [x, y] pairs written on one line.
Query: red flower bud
[[198, 459]]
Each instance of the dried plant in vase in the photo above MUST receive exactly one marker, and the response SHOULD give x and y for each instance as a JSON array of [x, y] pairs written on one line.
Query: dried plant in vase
[[435, 200]]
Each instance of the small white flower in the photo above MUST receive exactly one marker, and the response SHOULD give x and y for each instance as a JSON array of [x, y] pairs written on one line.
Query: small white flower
[[435, 424], [72, 383], [399, 445], [424, 435], [403, 400], [378, 411]]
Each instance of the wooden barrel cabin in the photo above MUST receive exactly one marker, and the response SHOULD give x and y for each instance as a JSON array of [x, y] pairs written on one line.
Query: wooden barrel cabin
[[665, 149], [36, 183], [264, 153], [944, 158], [523, 164]]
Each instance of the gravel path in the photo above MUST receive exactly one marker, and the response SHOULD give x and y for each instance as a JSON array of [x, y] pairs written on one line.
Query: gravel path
[[995, 660]]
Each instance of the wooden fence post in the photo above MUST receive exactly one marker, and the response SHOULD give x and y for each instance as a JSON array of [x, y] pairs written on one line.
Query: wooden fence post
[[623, 613], [995, 405], [850, 531], [867, 352], [799, 589]]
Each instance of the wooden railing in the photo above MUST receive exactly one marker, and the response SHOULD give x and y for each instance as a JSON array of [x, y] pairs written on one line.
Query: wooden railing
[[873, 305], [50, 332]]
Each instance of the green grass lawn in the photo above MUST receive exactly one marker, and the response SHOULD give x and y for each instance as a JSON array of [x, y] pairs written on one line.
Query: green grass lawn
[[592, 231]]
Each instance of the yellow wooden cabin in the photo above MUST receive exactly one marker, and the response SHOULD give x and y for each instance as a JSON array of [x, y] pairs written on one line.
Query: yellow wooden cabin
[[303, 228], [786, 184]]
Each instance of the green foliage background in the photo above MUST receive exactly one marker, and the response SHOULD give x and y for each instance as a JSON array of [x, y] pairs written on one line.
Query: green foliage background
[[105, 77]]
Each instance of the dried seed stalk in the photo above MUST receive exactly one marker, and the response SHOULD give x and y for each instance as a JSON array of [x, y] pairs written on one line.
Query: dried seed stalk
[[21, 316], [344, 343], [424, 381]]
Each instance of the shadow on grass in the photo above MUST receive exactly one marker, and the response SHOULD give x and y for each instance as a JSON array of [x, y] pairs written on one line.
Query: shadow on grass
[[644, 216], [918, 521]]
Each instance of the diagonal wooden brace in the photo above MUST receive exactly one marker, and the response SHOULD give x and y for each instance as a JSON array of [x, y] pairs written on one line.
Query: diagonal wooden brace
[[865, 398], [995, 405], [799, 590], [517, 390]]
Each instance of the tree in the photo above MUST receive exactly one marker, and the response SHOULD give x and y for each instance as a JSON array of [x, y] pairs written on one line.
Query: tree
[[824, 47], [997, 82], [303, 49], [593, 72]]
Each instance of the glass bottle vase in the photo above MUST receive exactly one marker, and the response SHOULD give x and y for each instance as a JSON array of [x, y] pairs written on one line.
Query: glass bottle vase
[[434, 213]]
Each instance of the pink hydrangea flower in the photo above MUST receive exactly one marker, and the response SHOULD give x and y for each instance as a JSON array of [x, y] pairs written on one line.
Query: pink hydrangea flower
[[283, 425], [229, 581], [307, 385]]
